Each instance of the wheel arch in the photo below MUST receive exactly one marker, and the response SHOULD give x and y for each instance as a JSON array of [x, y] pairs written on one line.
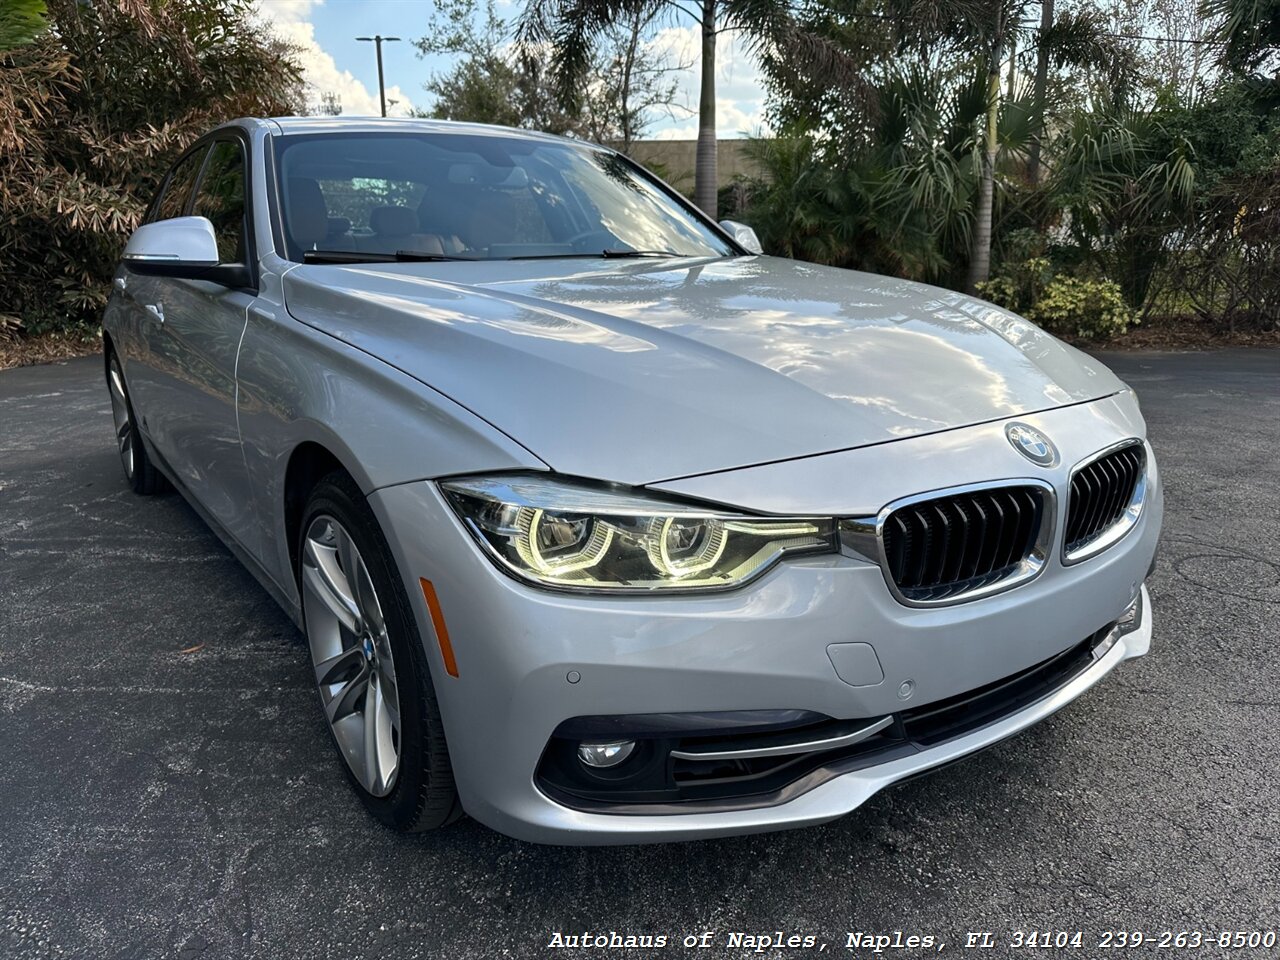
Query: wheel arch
[[309, 462], [109, 350]]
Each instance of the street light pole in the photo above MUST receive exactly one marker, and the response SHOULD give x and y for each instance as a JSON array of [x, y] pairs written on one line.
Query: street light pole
[[378, 40]]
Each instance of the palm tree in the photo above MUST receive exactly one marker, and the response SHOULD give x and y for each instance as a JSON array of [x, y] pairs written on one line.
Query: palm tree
[[1249, 31], [1078, 40], [1128, 187], [570, 27], [955, 40], [1039, 91], [980, 254]]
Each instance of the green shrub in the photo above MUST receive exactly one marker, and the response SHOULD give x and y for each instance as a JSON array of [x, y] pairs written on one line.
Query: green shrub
[[93, 110], [1088, 309], [1001, 291], [1018, 285], [1028, 283]]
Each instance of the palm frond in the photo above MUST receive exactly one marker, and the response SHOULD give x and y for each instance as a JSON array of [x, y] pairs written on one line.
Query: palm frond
[[1249, 30]]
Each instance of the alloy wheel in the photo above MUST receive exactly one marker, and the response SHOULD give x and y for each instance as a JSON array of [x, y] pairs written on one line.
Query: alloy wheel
[[351, 652], [120, 413]]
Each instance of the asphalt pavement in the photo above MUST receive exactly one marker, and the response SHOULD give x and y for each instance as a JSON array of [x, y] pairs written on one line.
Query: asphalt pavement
[[168, 789]]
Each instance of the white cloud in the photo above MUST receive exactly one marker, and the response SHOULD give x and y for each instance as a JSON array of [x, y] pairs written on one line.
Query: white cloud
[[739, 85], [686, 131], [734, 118], [289, 20]]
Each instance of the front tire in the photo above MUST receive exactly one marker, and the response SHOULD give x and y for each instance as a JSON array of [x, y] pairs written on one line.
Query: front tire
[[139, 471], [374, 684]]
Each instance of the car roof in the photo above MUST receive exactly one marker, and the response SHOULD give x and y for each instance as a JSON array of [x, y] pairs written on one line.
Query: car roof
[[289, 126]]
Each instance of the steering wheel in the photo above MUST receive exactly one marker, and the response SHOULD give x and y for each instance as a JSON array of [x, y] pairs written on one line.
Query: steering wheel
[[589, 240]]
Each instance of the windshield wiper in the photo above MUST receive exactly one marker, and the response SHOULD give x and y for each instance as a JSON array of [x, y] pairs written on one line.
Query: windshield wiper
[[364, 256], [345, 256], [421, 256], [430, 257], [606, 254], [622, 254]]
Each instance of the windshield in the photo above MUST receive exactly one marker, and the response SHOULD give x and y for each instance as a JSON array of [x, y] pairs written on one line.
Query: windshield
[[354, 196]]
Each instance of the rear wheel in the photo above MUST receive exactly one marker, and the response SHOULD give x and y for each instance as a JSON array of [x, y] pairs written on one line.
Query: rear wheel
[[141, 473], [375, 688]]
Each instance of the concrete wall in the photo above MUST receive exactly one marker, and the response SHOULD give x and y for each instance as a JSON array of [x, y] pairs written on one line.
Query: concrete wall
[[673, 160]]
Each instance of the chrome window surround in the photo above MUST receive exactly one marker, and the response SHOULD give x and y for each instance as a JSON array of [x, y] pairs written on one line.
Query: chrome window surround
[[1128, 520], [863, 537]]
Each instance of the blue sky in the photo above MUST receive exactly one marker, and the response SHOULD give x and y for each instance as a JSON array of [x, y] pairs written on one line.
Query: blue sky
[[334, 61]]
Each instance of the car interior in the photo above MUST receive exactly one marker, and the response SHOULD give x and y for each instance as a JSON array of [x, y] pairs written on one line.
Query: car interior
[[416, 198], [475, 197]]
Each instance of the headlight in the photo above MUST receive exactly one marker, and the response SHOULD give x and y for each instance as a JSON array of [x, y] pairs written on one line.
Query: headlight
[[581, 537]]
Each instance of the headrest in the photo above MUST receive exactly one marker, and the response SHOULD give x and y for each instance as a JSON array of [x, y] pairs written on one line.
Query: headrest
[[338, 227], [393, 221], [308, 216]]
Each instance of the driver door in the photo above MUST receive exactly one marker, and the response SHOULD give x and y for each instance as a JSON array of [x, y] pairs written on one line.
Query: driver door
[[193, 342]]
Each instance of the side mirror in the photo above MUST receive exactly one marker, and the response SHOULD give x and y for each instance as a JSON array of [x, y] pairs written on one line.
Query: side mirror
[[745, 236], [183, 247]]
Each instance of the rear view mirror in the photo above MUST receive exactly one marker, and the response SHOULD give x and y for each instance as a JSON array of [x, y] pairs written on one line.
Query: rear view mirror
[[184, 247], [488, 175], [745, 236]]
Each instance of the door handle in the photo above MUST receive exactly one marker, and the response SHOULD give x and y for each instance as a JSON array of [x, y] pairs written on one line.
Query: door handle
[[121, 284], [156, 310]]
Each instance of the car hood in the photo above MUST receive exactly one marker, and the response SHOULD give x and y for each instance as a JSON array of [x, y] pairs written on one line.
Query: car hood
[[645, 370]]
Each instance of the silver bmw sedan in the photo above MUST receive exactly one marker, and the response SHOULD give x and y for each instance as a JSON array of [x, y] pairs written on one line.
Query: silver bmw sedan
[[601, 526]]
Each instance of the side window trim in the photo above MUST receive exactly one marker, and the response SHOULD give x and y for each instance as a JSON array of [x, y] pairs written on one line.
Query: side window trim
[[691, 208], [237, 137], [149, 216], [274, 201], [209, 144]]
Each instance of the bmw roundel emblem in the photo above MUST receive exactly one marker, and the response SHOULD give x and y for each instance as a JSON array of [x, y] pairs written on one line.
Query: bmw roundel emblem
[[1032, 444]]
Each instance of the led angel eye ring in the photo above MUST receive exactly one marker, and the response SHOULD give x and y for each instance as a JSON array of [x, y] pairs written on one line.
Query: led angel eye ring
[[527, 522], [710, 550]]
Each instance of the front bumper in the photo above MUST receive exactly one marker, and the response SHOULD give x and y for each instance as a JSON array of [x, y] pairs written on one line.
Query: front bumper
[[837, 796], [528, 660]]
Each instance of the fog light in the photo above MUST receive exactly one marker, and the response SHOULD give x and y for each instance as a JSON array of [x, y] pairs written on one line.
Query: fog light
[[601, 755]]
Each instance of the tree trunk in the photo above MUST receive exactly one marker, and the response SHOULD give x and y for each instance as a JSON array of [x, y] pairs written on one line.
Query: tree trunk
[[1013, 67], [628, 64], [1039, 93], [706, 174], [980, 255]]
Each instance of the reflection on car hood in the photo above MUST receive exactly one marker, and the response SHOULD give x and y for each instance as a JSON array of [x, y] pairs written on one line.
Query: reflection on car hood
[[639, 371]]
